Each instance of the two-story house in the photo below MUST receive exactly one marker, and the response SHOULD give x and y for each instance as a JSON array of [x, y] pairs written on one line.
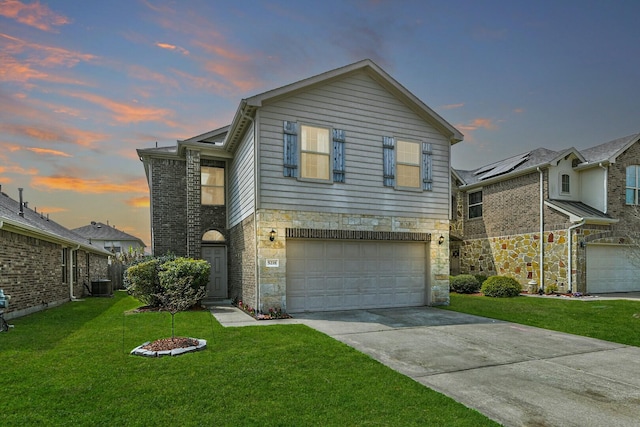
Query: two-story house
[[110, 238], [330, 193], [565, 217]]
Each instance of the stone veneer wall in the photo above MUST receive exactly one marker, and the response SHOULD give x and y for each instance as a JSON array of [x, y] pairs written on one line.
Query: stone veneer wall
[[242, 262], [273, 280], [518, 256], [169, 206]]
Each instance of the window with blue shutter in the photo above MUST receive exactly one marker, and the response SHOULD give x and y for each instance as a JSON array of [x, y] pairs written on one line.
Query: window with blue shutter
[[427, 176], [388, 161], [290, 150], [338, 155]]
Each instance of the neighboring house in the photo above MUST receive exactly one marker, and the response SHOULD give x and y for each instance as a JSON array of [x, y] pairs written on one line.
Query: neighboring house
[[552, 217], [41, 262], [110, 238], [329, 193]]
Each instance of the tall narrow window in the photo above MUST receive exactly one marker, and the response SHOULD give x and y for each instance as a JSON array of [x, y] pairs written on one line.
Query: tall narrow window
[[408, 164], [211, 185], [315, 153], [475, 204], [65, 263], [633, 185], [565, 183]]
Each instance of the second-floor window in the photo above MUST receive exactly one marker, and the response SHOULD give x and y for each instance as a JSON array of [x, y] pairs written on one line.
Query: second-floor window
[[408, 164], [475, 204], [632, 187], [315, 153], [211, 185], [565, 183]]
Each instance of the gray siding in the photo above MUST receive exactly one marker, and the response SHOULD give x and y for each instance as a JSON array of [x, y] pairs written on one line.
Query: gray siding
[[241, 191], [366, 112]]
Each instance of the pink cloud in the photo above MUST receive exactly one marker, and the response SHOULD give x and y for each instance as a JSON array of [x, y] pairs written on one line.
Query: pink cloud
[[54, 133], [87, 185], [34, 14], [518, 110], [127, 113], [478, 124], [173, 47], [48, 152]]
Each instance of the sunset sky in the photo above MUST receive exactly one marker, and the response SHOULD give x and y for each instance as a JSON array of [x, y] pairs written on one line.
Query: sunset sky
[[85, 83]]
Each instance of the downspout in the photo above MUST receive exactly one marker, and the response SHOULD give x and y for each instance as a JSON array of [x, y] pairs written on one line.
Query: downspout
[[255, 205], [570, 254], [606, 179], [541, 172]]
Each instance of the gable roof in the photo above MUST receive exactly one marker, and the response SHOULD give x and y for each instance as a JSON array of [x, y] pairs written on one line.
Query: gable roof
[[31, 223], [247, 108], [609, 151], [543, 157], [100, 231]]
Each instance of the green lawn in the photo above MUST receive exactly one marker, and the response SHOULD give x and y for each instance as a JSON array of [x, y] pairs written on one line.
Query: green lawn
[[70, 365], [610, 320]]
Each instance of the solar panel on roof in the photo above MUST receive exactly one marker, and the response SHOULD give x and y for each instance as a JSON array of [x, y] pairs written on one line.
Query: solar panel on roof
[[505, 166]]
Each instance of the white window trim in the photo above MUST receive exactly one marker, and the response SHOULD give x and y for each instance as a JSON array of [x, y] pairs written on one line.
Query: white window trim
[[635, 188], [224, 186], [562, 191], [419, 164], [329, 155]]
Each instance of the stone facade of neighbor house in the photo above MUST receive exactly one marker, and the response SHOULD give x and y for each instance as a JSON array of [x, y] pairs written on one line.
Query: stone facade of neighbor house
[[329, 193], [582, 222], [43, 264]]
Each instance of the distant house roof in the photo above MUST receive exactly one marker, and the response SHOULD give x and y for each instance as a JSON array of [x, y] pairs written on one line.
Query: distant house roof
[[100, 231], [609, 151], [31, 223], [543, 157]]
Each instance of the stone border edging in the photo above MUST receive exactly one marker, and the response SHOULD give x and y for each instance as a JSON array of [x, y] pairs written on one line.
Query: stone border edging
[[139, 351]]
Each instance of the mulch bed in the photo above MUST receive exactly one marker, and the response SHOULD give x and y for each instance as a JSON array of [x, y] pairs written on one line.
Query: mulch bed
[[165, 344]]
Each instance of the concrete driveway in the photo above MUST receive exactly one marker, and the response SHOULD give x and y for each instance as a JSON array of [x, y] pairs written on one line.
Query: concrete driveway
[[516, 375]]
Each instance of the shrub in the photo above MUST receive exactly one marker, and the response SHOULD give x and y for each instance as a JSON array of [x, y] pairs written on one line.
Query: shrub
[[501, 286], [195, 271], [464, 284], [481, 278], [143, 283], [551, 289]]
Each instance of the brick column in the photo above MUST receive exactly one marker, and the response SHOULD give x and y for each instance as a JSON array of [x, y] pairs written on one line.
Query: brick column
[[193, 204]]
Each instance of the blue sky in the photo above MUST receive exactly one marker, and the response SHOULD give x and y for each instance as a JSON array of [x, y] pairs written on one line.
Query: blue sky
[[85, 83]]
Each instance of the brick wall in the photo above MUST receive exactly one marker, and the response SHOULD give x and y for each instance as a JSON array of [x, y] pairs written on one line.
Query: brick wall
[[169, 206], [242, 265], [31, 272], [511, 207], [616, 201]]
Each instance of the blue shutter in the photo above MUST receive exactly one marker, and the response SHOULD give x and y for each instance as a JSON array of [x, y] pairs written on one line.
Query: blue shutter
[[427, 178], [338, 155], [290, 149], [388, 161]]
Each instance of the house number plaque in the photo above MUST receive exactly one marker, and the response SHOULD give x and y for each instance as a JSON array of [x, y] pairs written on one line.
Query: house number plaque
[[273, 263]]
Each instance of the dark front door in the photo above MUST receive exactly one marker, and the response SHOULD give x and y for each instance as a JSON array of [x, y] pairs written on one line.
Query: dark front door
[[217, 257]]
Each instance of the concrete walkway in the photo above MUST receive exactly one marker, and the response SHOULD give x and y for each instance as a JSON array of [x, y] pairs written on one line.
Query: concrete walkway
[[517, 375]]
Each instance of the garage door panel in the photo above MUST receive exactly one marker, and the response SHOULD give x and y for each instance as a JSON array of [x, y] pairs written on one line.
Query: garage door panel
[[610, 269], [364, 274]]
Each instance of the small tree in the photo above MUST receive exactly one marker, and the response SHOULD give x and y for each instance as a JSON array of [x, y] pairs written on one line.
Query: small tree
[[182, 283]]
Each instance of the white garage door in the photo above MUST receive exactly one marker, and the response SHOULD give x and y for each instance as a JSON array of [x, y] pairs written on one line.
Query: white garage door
[[344, 275], [609, 269]]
